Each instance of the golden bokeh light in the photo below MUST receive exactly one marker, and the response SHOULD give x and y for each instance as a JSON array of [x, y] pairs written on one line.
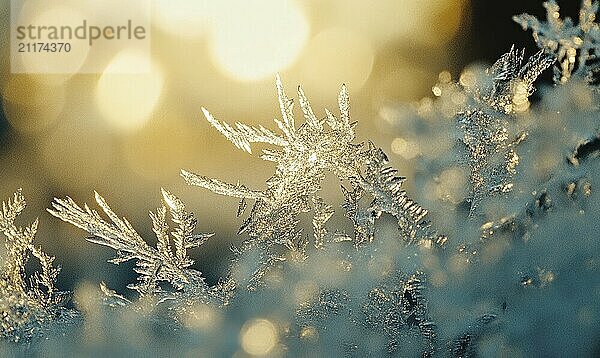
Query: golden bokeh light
[[335, 56], [468, 78], [304, 291], [258, 337], [406, 148], [202, 317], [452, 184], [186, 18], [49, 62], [405, 82], [309, 333], [253, 40], [126, 101], [412, 20]]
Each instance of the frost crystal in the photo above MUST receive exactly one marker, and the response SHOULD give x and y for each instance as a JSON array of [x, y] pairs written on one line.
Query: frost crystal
[[575, 46], [487, 133], [324, 307], [392, 310], [168, 262], [464, 345], [378, 289], [399, 307], [25, 304], [305, 155]]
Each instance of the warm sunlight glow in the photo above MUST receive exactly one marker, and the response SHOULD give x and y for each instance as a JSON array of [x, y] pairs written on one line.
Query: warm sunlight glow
[[335, 56], [126, 101], [49, 62], [186, 18], [426, 22], [258, 337], [254, 39]]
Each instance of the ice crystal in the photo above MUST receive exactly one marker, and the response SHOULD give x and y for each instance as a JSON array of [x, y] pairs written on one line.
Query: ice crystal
[[576, 47], [168, 262], [464, 346], [306, 154], [327, 304], [397, 307], [394, 309], [26, 303], [376, 290], [488, 134]]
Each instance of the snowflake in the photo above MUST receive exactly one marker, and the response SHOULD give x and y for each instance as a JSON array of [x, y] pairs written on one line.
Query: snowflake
[[168, 262], [25, 304], [487, 132], [575, 46], [305, 155]]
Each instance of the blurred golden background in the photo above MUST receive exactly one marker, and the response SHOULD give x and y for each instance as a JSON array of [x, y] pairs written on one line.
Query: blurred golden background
[[127, 135]]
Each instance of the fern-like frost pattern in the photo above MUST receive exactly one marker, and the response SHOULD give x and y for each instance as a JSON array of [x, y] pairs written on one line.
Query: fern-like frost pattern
[[489, 134], [304, 155], [576, 47], [167, 262], [27, 302]]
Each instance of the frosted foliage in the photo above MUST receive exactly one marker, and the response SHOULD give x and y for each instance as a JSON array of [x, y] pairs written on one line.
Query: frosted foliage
[[576, 47], [167, 262], [27, 302], [304, 154], [489, 135]]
